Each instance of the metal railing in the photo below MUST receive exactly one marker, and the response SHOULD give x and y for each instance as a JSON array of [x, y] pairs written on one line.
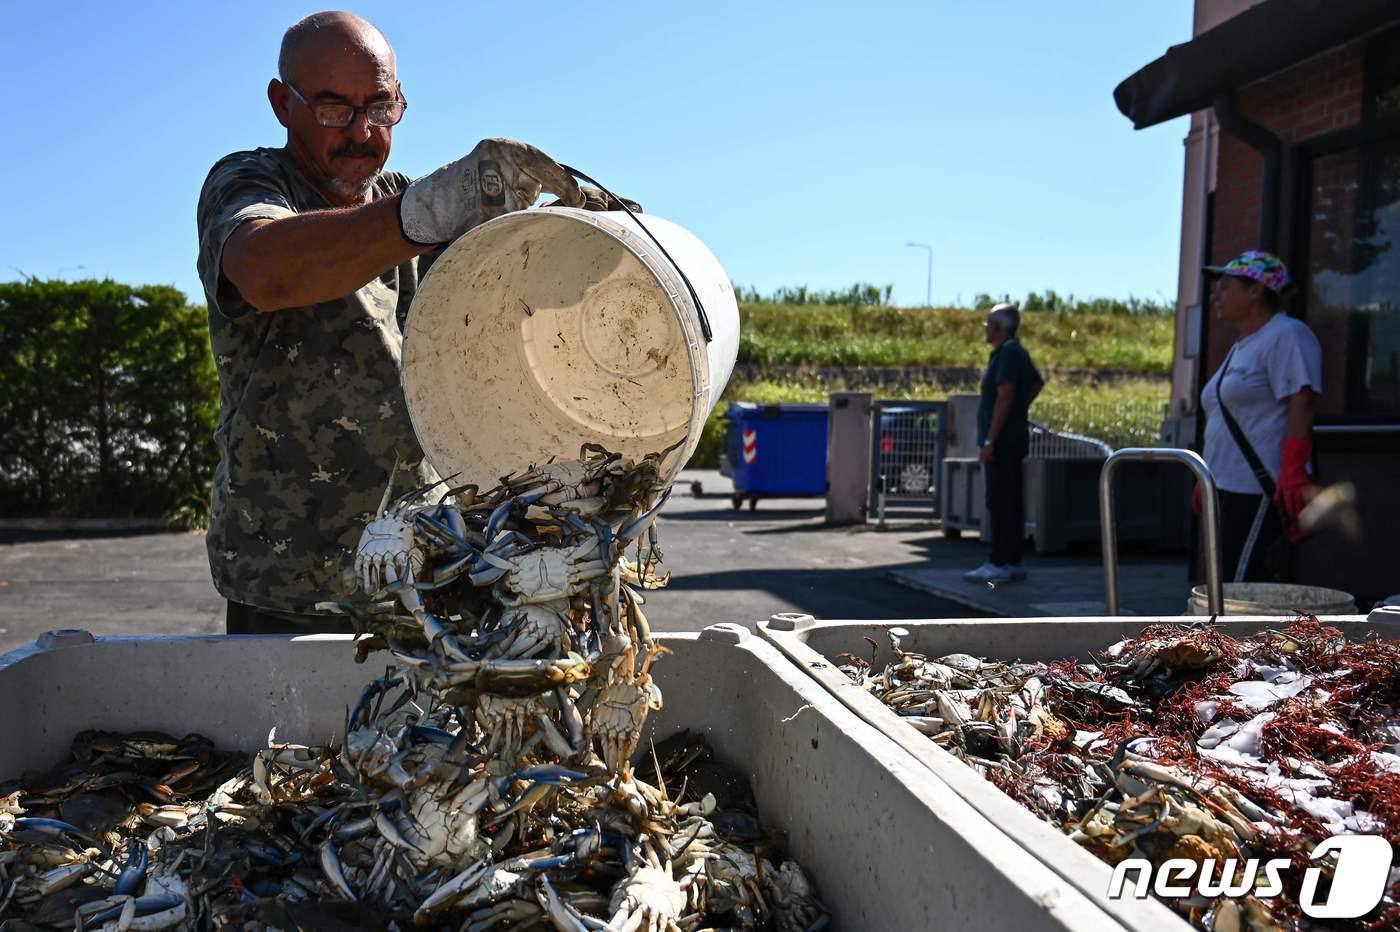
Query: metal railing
[[1108, 521], [1114, 424], [1057, 444]]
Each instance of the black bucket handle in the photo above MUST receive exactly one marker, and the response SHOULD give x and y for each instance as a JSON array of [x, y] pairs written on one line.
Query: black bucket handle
[[699, 306]]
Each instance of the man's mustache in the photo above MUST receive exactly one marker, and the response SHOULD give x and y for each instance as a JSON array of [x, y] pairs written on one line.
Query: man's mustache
[[355, 150]]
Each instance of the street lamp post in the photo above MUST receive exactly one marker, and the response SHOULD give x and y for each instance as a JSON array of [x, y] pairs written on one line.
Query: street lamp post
[[928, 297]]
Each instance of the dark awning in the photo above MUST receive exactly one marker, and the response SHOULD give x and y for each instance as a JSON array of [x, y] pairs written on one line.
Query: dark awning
[[1264, 39]]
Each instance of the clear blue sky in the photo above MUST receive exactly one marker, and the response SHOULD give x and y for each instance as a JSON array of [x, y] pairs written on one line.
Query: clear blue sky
[[804, 142]]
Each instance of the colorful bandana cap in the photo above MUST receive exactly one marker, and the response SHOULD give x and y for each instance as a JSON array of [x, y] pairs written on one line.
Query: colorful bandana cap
[[1263, 267]]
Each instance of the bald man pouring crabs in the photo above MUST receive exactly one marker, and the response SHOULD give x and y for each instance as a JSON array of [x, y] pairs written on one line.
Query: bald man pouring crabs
[[309, 256]]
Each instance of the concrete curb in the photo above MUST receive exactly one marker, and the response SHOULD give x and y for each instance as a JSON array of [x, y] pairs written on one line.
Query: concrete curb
[[49, 525]]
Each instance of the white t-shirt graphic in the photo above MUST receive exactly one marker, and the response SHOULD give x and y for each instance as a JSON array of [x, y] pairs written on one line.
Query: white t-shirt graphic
[[1262, 369]]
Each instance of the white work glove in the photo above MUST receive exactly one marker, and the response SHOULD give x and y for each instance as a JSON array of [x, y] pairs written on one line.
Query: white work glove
[[495, 178]]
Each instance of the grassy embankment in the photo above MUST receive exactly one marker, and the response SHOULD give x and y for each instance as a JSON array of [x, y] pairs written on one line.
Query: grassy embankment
[[1122, 409]]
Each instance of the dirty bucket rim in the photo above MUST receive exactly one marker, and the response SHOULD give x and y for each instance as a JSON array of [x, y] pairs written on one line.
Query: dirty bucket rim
[[1288, 597]]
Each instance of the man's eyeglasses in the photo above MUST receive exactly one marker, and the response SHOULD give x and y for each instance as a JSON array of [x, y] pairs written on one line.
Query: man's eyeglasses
[[336, 116]]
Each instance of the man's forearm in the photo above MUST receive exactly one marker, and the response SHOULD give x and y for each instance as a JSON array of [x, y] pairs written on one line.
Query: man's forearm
[[999, 414], [316, 256]]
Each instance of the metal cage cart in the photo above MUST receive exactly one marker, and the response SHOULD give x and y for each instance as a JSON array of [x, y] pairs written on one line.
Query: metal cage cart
[[909, 443]]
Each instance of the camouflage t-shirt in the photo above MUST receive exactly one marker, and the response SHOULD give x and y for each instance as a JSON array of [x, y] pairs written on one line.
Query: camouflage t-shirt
[[312, 416]]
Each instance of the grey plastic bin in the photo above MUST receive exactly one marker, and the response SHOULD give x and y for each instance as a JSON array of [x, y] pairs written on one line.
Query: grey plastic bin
[[813, 645], [1062, 503], [888, 845]]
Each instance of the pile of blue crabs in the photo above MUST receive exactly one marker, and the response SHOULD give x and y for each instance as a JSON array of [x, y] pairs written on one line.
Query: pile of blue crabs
[[1184, 744], [485, 781]]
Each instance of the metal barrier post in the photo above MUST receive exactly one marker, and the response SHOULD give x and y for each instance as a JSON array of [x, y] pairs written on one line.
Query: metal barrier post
[[940, 453], [1108, 522]]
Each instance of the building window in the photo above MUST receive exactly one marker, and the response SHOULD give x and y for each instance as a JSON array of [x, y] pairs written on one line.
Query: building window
[[1352, 277]]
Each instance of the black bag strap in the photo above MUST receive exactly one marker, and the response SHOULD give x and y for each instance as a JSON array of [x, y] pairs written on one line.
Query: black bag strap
[[1256, 466]]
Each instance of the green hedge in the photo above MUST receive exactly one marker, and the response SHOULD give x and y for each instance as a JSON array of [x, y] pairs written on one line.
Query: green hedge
[[789, 334], [109, 398], [108, 402]]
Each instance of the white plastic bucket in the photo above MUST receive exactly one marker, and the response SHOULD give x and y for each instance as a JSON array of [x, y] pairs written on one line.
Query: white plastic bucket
[[1252, 598], [546, 329]]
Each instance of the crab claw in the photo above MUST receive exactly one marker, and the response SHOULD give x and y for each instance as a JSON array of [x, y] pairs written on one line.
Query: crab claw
[[388, 556], [649, 898]]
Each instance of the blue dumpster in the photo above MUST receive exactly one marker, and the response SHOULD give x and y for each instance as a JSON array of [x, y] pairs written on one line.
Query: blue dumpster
[[776, 450]]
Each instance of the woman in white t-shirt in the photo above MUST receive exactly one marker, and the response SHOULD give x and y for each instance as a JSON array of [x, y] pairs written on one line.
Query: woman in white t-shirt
[[1268, 384]]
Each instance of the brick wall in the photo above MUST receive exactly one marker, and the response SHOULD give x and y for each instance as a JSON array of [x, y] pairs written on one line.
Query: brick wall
[[1314, 98]]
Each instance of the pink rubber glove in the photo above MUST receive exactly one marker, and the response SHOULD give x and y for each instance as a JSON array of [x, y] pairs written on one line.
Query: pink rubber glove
[[1294, 487]]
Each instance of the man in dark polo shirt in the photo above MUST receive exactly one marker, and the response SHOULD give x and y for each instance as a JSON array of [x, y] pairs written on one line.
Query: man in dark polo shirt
[[1003, 437], [309, 258]]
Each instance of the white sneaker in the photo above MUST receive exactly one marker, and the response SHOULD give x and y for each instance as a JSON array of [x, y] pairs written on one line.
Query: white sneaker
[[988, 570], [1000, 574]]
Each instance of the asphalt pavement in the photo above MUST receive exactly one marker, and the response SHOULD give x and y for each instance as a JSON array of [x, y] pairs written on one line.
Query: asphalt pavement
[[727, 565]]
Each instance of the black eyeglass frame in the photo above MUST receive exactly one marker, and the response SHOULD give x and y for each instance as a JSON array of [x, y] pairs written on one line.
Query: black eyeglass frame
[[368, 110]]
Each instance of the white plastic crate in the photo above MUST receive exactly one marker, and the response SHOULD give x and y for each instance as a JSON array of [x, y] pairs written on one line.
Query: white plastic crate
[[814, 646], [888, 845]]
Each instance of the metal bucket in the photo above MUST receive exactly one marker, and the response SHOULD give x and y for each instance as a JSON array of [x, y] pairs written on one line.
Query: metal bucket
[[1250, 598]]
